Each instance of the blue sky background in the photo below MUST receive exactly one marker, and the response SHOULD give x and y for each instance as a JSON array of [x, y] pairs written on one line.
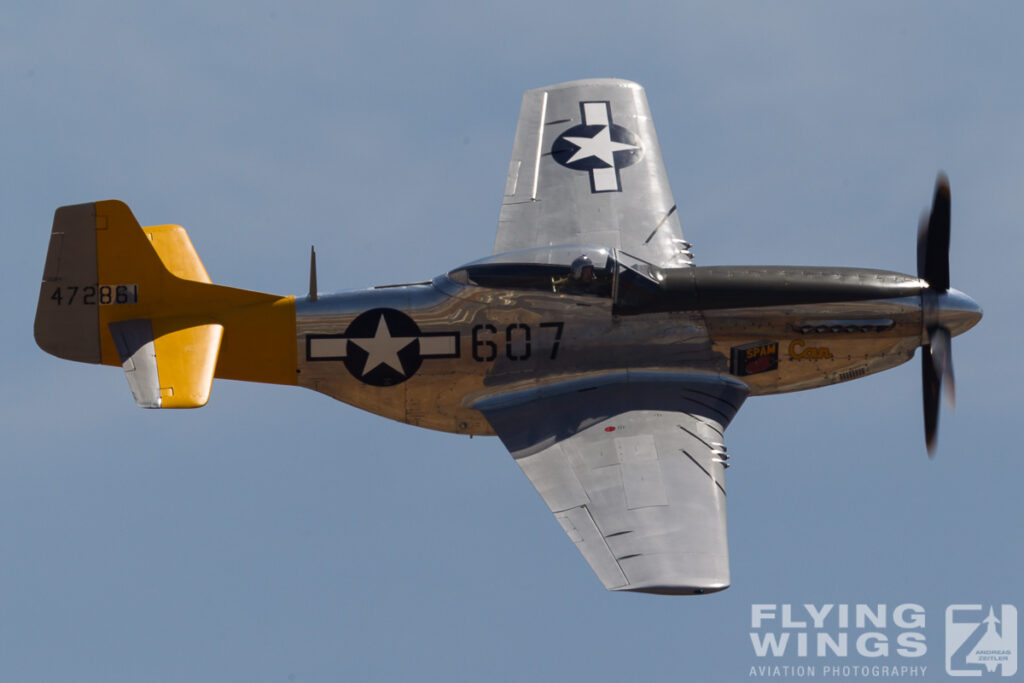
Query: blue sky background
[[278, 535]]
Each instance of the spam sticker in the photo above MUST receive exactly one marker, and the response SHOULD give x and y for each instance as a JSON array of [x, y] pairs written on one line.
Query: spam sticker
[[750, 359]]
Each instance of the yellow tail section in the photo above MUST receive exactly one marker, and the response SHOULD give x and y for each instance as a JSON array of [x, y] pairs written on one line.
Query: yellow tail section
[[119, 294]]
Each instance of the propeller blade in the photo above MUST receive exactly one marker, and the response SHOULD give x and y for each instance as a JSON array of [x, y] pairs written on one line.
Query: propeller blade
[[930, 385], [933, 240], [922, 242], [942, 359]]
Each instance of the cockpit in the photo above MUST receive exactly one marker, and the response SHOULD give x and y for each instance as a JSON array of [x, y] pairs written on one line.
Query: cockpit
[[565, 269]]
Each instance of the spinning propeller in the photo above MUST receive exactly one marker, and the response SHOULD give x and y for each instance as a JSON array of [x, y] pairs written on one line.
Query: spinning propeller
[[933, 267]]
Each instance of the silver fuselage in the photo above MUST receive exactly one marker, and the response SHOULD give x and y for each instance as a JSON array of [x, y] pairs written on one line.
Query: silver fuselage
[[472, 342]]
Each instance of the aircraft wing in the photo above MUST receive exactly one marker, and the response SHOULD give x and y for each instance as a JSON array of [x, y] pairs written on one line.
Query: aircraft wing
[[586, 169], [632, 465]]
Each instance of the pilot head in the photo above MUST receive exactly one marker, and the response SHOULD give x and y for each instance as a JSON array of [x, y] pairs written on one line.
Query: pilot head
[[583, 269]]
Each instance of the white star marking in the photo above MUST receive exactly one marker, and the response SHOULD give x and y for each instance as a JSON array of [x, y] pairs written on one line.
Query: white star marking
[[383, 348], [600, 146]]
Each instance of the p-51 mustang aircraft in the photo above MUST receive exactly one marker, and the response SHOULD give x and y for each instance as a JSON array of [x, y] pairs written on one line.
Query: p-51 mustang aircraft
[[607, 363]]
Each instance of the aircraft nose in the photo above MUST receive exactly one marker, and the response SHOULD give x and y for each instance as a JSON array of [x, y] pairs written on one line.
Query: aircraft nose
[[957, 311]]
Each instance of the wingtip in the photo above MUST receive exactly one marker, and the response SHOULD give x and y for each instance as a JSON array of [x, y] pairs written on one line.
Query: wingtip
[[674, 590]]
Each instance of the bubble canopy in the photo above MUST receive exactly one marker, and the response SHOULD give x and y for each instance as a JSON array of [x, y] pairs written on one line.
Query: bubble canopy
[[570, 269]]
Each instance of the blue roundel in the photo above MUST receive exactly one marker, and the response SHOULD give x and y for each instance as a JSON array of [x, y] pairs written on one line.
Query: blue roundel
[[383, 347], [579, 148]]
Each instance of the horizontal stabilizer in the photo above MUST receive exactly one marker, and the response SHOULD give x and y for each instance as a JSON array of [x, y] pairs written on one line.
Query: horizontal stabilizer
[[176, 252], [168, 368]]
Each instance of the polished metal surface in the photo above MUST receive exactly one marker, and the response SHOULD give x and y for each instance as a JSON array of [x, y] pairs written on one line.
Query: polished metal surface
[[957, 312], [546, 331], [627, 490], [507, 339]]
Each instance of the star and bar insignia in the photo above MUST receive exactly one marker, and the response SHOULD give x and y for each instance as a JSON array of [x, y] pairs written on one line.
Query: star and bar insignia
[[382, 347]]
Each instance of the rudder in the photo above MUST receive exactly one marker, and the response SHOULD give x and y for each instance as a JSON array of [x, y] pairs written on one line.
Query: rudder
[[99, 257]]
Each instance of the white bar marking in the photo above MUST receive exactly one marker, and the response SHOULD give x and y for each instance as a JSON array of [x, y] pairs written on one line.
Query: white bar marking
[[605, 180], [595, 113], [437, 346], [328, 348]]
